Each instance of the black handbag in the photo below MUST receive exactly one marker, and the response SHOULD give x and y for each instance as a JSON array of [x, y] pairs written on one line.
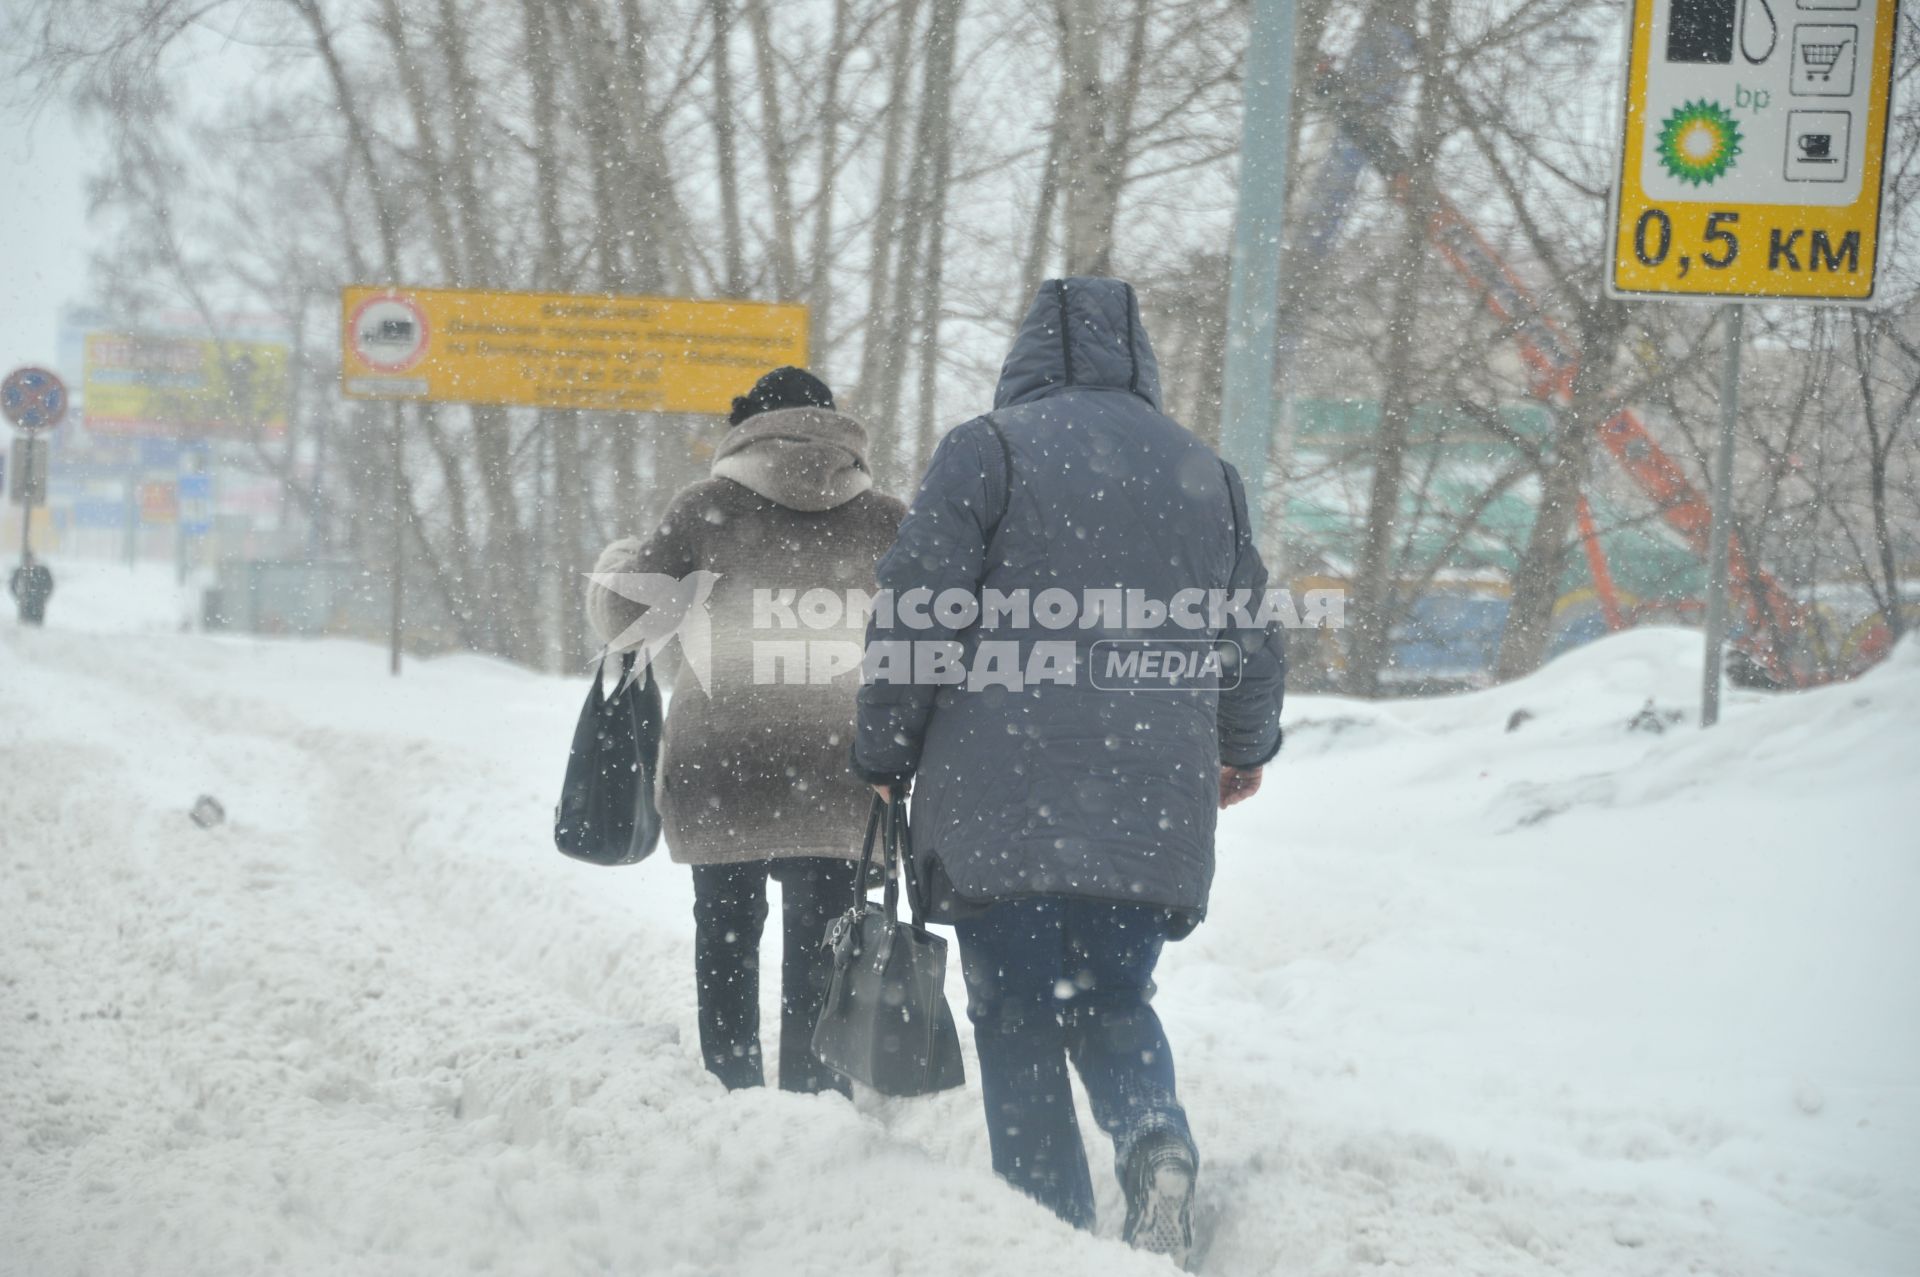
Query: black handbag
[[886, 1022], [606, 814]]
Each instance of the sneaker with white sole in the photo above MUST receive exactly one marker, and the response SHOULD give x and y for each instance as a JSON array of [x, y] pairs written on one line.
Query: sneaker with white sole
[[1159, 1187]]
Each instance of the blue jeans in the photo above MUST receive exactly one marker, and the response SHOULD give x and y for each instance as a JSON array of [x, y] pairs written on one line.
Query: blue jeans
[[1052, 978]]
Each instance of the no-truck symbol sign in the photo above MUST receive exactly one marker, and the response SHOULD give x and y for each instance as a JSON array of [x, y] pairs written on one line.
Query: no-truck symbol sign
[[389, 332]]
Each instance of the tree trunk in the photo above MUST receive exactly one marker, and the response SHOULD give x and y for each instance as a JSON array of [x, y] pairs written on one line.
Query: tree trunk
[[466, 151], [820, 287], [662, 257], [1040, 238], [723, 138], [1376, 598], [1378, 601], [938, 131], [406, 64], [786, 270], [1536, 578], [893, 465], [1879, 452], [568, 494], [1089, 220], [886, 222]]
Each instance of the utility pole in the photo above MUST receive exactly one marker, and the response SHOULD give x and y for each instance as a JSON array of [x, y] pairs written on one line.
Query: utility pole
[[1253, 302], [1720, 541]]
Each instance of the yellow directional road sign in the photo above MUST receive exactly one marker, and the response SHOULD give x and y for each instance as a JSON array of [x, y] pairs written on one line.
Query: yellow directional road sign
[[1751, 158], [562, 350]]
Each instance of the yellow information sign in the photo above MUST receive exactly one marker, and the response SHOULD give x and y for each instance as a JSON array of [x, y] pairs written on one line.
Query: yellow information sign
[[1753, 146], [157, 384], [562, 350]]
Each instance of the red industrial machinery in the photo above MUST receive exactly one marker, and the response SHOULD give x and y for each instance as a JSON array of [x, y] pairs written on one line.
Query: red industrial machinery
[[1775, 628]]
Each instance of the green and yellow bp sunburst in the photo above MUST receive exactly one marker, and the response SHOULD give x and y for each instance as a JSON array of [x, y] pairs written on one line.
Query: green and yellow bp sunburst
[[1699, 142]]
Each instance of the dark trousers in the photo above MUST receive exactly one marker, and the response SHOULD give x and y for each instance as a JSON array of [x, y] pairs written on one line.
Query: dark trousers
[[1051, 979], [729, 913]]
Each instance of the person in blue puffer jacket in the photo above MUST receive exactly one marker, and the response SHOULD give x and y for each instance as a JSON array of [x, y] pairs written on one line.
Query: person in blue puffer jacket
[[1071, 735]]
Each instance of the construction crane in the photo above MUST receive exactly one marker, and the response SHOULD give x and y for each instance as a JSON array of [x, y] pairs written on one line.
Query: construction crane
[[1774, 621]]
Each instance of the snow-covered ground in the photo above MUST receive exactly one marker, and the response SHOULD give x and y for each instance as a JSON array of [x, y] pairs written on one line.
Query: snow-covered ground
[[1566, 999]]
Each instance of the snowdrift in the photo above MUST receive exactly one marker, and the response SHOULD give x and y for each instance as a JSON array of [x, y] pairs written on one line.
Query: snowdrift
[[1484, 990]]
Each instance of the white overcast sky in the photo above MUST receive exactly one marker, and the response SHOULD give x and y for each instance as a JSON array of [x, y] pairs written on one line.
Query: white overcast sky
[[44, 240]]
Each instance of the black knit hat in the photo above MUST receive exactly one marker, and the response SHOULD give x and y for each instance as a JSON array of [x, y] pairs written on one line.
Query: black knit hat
[[782, 388]]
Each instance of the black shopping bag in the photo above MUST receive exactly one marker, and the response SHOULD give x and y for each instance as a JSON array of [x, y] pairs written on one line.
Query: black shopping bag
[[886, 1022], [606, 814]]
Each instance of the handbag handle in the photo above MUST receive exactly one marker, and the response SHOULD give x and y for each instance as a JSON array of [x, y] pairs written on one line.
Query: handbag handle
[[896, 818], [887, 818], [903, 857], [875, 814]]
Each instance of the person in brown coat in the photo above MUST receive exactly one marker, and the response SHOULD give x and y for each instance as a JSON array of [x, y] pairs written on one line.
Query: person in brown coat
[[753, 776]]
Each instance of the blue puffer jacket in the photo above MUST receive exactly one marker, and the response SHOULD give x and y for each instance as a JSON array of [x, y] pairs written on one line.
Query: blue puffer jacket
[[1101, 781]]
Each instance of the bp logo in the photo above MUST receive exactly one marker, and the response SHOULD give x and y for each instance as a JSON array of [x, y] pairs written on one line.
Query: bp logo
[[1699, 142]]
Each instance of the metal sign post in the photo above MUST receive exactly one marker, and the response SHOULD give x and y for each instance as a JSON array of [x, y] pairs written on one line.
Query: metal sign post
[[34, 400], [28, 468], [399, 538], [1722, 536], [1752, 154]]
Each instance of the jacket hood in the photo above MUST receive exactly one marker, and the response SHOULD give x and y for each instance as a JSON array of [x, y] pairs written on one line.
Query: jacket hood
[[1080, 333], [805, 459]]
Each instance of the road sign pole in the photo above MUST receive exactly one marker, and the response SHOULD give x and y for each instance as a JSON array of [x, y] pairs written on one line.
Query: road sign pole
[[32, 400], [179, 536], [130, 539], [399, 535], [1751, 165], [1720, 544], [1247, 400]]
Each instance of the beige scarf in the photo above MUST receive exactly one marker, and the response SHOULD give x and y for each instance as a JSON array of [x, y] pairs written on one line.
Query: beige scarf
[[805, 459]]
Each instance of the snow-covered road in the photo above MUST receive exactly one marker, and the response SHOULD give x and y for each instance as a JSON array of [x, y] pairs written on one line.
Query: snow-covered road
[[1571, 999]]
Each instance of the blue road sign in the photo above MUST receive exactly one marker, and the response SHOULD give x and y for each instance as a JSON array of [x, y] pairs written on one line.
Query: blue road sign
[[97, 512], [196, 504]]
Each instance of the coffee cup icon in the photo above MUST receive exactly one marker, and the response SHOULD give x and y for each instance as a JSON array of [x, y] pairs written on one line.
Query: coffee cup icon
[[1817, 148]]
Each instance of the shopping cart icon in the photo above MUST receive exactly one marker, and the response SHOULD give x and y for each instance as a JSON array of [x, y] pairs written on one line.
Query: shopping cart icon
[[1821, 59]]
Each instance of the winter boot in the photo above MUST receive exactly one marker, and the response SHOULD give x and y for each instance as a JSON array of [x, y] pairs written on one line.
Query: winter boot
[[1159, 1187]]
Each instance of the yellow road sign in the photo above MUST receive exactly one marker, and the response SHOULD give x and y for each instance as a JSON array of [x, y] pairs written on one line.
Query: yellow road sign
[[562, 350], [1751, 156]]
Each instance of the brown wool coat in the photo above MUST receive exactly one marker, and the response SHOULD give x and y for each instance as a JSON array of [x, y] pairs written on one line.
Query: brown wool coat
[[752, 770]]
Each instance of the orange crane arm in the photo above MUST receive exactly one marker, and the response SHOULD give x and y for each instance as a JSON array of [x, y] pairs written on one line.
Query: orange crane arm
[[1771, 615]]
